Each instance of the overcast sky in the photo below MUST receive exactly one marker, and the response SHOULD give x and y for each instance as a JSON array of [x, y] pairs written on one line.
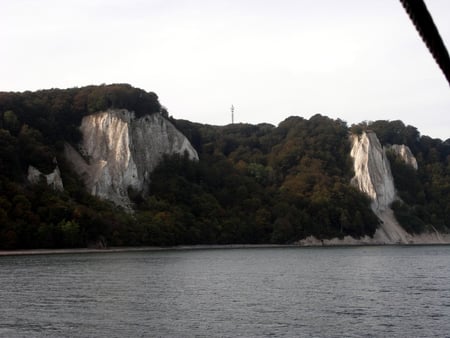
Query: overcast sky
[[353, 59]]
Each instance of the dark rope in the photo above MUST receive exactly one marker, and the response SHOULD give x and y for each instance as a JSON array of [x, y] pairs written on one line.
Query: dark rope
[[418, 12]]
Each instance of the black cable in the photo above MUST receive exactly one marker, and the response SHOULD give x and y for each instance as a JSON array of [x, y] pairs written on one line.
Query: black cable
[[418, 12]]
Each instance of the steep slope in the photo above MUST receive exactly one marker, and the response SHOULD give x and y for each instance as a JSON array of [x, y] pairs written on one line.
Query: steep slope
[[119, 151], [372, 171], [405, 154], [373, 176]]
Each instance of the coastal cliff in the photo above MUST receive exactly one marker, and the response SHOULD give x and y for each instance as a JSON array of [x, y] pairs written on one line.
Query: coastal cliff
[[95, 148], [118, 152], [373, 176]]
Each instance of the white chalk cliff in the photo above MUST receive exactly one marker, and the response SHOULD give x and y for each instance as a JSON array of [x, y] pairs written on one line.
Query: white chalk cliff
[[373, 176], [372, 170], [405, 154], [53, 179], [119, 151]]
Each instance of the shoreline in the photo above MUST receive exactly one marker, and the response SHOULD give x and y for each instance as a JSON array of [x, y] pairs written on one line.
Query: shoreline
[[32, 252], [24, 252]]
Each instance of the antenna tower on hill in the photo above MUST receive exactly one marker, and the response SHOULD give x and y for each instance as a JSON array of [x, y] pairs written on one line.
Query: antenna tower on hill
[[232, 114]]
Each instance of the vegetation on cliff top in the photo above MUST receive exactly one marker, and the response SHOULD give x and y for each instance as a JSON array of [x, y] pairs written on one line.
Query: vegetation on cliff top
[[57, 113], [253, 183]]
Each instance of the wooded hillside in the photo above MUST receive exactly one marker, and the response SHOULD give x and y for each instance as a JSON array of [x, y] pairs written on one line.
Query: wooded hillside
[[252, 184]]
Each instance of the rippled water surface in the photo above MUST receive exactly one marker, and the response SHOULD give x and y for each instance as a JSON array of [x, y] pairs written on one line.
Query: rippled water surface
[[280, 292]]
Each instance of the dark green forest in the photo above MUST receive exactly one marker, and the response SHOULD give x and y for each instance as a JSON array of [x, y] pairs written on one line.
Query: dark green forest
[[252, 183]]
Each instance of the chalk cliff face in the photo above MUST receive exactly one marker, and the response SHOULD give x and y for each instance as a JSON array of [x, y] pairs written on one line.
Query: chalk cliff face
[[372, 170], [53, 179], [405, 154], [373, 176], [119, 152]]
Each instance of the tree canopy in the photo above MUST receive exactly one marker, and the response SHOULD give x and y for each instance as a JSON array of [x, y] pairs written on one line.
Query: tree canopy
[[57, 113]]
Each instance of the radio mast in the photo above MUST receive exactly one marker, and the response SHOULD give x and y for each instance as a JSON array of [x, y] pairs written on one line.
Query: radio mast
[[232, 114]]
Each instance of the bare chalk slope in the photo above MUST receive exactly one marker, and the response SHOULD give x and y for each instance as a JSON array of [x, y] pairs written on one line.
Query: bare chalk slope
[[118, 152]]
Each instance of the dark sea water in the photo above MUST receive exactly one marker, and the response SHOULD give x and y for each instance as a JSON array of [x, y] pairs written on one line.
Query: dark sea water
[[264, 292]]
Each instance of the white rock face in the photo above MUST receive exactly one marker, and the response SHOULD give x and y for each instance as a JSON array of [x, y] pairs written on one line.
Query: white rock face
[[372, 170], [53, 179], [119, 151], [405, 154], [373, 176]]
